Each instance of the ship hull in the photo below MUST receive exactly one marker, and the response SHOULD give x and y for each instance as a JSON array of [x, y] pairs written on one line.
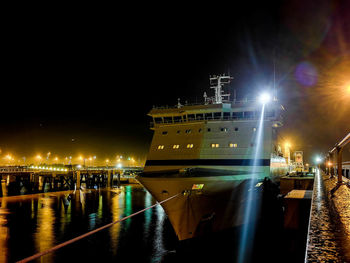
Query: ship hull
[[218, 205]]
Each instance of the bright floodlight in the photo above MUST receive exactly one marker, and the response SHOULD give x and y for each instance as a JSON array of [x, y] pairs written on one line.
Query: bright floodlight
[[264, 98], [318, 159]]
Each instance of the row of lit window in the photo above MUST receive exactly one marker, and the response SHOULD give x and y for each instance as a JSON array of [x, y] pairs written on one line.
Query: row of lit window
[[176, 146], [190, 146], [216, 145], [200, 130]]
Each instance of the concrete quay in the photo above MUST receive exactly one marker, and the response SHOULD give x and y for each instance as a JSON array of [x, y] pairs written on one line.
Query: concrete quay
[[329, 226]]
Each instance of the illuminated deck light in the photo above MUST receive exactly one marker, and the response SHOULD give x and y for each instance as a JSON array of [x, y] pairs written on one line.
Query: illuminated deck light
[[264, 98]]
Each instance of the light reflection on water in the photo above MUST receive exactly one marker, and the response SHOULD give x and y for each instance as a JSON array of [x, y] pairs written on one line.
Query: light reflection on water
[[44, 235], [33, 223], [117, 205], [158, 240], [4, 232], [148, 215]]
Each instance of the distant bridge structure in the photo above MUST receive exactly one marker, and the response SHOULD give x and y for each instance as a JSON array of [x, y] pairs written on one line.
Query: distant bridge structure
[[32, 179]]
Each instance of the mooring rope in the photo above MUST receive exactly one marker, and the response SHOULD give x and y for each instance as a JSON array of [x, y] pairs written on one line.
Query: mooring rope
[[90, 233]]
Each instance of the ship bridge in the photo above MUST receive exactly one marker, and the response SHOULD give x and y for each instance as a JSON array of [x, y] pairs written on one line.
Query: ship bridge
[[233, 111]]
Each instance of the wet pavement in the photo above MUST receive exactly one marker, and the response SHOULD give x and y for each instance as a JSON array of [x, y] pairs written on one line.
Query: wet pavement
[[329, 229]]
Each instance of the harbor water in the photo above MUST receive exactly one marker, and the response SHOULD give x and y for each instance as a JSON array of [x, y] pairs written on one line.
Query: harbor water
[[33, 223]]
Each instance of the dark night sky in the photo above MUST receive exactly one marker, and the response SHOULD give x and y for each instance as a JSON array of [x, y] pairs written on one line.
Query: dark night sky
[[93, 72]]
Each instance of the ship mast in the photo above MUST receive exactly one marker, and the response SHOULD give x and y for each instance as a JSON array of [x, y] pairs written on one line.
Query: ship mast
[[217, 83]]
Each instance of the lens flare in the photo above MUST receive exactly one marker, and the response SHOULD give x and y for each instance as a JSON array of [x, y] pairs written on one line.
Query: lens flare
[[306, 74], [252, 207]]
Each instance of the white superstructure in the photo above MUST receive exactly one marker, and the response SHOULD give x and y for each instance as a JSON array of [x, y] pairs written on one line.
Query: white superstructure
[[211, 147]]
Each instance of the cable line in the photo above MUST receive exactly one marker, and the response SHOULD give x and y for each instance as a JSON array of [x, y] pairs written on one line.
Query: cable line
[[90, 233]]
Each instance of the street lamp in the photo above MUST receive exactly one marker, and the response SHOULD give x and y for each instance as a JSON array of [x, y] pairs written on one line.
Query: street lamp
[[9, 158], [38, 157], [318, 161], [48, 156]]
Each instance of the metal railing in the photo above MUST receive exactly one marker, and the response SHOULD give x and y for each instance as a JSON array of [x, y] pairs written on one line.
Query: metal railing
[[222, 118], [202, 103]]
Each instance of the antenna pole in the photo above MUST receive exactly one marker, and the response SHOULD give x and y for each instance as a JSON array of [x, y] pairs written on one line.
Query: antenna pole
[[217, 83]]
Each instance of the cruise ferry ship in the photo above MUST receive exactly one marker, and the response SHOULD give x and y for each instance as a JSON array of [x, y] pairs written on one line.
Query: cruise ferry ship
[[207, 152]]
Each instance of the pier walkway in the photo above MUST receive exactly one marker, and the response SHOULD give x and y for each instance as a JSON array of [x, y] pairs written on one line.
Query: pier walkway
[[329, 226]]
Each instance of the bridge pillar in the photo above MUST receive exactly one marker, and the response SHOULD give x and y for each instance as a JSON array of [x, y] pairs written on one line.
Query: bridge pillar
[[118, 179], [78, 181], [3, 187], [32, 178], [53, 181], [41, 182], [109, 178], [340, 164]]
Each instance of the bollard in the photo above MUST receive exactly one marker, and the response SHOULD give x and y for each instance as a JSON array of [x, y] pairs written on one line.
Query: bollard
[[3, 187]]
